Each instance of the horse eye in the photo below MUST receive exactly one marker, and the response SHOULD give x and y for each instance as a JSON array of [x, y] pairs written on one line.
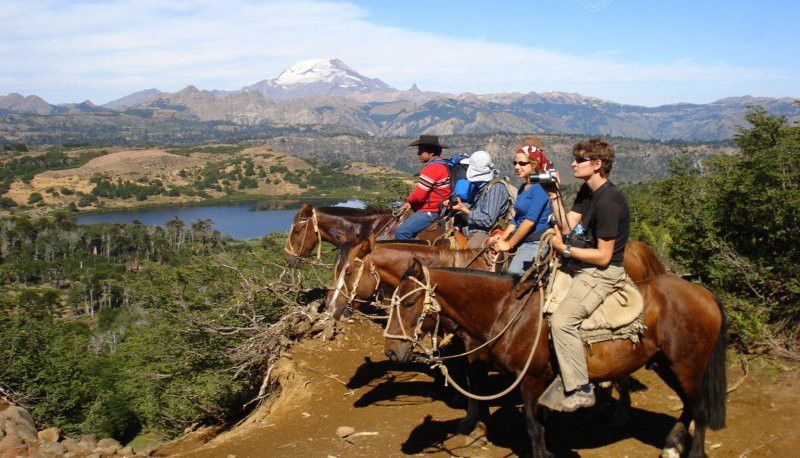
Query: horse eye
[[409, 304], [348, 271]]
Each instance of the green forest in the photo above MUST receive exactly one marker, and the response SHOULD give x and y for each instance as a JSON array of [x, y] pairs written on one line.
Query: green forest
[[114, 329], [111, 328]]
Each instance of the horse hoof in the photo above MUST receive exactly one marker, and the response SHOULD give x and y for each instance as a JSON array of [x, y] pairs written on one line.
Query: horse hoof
[[477, 438], [671, 452], [466, 426]]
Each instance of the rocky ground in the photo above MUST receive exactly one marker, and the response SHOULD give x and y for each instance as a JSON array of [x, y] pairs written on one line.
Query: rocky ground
[[19, 437], [337, 395], [343, 398]]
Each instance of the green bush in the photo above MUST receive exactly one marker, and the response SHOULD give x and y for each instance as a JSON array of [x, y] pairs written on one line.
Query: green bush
[[35, 197]]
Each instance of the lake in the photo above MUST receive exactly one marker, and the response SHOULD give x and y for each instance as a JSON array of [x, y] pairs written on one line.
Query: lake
[[241, 220]]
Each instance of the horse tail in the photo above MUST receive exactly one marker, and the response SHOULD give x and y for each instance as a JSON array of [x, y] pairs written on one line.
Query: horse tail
[[715, 385]]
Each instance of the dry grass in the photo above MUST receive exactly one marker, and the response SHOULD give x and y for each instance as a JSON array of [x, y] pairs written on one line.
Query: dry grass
[[154, 163]]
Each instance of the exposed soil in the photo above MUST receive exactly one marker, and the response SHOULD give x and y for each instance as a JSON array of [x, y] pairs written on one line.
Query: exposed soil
[[349, 382]]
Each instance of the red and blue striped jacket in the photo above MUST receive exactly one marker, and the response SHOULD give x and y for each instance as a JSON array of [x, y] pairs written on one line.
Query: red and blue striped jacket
[[433, 187]]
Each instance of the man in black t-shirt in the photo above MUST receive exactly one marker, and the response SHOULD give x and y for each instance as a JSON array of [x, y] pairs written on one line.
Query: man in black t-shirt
[[598, 224]]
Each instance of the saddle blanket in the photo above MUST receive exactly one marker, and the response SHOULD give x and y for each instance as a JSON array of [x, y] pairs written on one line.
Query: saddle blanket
[[619, 316]]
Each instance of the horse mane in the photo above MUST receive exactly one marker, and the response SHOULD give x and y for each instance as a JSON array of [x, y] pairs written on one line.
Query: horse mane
[[342, 254], [405, 242], [457, 255], [472, 272], [481, 273], [354, 212]]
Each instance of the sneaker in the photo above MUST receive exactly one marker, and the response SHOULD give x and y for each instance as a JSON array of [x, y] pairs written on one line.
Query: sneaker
[[578, 399]]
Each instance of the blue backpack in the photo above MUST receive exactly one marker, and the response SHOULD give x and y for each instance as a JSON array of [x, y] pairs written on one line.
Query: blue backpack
[[459, 184]]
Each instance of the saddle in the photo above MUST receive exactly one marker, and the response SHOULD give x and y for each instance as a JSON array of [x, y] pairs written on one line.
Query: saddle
[[443, 235], [620, 316]]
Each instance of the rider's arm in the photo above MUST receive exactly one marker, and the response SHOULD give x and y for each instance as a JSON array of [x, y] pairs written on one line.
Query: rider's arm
[[572, 217], [600, 256], [525, 228], [426, 183]]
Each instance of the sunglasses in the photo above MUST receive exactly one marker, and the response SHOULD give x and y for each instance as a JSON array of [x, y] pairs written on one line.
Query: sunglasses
[[521, 163], [581, 160]]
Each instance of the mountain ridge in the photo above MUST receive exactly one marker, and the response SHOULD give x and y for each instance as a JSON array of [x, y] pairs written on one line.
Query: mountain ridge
[[323, 95]]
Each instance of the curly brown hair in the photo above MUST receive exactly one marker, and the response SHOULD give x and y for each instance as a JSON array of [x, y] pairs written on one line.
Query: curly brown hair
[[594, 149]]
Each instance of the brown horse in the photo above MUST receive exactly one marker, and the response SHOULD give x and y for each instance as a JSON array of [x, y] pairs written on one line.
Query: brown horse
[[684, 342], [339, 225], [359, 271]]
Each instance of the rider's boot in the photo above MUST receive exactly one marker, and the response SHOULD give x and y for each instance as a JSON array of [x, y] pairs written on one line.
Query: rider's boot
[[579, 398]]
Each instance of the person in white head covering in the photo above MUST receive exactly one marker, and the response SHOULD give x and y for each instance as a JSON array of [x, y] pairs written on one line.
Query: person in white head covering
[[489, 201]]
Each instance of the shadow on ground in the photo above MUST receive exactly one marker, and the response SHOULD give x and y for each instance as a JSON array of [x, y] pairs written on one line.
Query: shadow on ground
[[400, 384]]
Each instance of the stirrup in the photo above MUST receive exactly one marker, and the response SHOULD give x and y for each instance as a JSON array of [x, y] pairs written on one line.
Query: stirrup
[[553, 396]]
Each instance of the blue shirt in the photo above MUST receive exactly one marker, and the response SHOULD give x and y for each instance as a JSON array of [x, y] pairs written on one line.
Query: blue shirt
[[532, 204]]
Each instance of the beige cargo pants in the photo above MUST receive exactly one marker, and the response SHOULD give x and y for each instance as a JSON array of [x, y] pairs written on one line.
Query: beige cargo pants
[[590, 286]]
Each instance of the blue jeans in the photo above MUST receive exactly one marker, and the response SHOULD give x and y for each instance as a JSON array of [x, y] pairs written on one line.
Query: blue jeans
[[523, 260], [415, 224]]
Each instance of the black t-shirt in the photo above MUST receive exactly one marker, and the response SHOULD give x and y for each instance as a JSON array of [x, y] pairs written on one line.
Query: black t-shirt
[[605, 215]]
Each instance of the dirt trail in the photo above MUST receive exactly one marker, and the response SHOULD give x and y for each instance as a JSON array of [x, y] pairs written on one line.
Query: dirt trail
[[348, 382]]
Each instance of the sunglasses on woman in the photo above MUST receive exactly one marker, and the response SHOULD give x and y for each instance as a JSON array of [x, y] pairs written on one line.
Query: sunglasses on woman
[[521, 163], [581, 160]]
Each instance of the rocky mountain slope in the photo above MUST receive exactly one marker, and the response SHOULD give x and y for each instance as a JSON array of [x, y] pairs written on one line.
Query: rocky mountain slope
[[327, 96]]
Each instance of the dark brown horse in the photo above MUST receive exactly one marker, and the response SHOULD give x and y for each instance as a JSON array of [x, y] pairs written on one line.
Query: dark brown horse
[[684, 342], [340, 225], [335, 225]]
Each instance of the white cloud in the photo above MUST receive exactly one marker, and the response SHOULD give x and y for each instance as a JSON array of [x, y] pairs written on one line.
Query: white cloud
[[70, 51]]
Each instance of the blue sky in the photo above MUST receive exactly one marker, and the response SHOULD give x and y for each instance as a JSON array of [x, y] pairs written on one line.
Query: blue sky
[[638, 52]]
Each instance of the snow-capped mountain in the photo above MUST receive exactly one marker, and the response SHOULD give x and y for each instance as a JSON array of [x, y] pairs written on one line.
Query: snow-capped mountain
[[318, 77]]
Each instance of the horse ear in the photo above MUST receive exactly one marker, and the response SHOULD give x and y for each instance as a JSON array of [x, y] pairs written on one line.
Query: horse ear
[[364, 248], [371, 241], [416, 267], [306, 209]]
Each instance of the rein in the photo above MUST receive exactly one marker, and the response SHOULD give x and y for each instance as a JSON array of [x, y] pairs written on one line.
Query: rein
[[341, 287], [438, 361], [491, 260], [297, 252], [396, 218], [430, 305]]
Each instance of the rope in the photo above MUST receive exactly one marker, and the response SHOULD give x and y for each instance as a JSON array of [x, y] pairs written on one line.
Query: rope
[[502, 331], [430, 304], [522, 373], [341, 286], [396, 217], [298, 253]]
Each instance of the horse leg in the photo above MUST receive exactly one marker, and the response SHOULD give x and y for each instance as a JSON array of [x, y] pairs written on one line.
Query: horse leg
[[473, 425], [622, 410], [530, 389], [676, 441]]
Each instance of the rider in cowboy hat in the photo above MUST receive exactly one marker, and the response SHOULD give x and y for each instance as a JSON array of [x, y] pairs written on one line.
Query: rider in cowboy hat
[[432, 189]]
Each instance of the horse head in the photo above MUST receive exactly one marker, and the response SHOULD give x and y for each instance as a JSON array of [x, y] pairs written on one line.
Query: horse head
[[354, 278], [303, 236], [414, 312]]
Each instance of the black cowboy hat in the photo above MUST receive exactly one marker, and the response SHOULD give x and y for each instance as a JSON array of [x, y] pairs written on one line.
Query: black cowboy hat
[[428, 140]]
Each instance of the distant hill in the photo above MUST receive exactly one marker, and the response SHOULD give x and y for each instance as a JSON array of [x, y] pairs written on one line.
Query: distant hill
[[327, 96], [131, 100]]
